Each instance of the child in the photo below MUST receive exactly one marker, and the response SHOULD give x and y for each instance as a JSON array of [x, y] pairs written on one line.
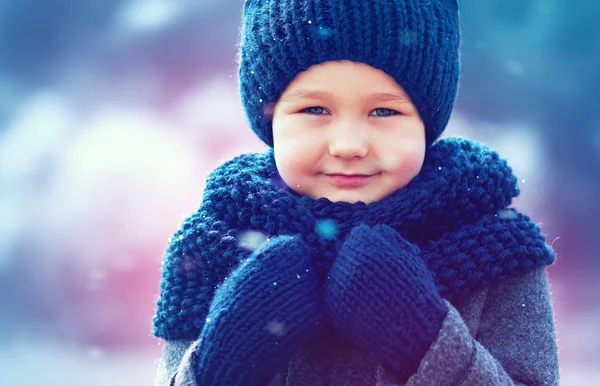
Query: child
[[390, 258]]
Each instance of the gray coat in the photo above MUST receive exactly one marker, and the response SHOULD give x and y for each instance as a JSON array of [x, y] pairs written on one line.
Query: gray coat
[[500, 335]]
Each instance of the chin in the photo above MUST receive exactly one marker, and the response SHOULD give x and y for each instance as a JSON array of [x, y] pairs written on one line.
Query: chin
[[351, 198]]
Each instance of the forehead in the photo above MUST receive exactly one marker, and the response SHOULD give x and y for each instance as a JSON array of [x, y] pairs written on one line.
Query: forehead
[[331, 71], [323, 94], [335, 79]]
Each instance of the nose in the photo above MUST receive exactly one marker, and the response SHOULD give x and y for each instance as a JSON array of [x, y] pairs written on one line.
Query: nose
[[348, 143]]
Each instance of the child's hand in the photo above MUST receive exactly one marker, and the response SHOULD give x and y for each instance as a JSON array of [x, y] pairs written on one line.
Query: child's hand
[[381, 296], [260, 316]]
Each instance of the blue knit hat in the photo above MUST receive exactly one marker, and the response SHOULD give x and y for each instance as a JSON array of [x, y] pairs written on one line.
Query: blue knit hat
[[416, 42]]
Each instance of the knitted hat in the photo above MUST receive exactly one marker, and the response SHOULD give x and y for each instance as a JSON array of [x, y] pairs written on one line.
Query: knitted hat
[[416, 42]]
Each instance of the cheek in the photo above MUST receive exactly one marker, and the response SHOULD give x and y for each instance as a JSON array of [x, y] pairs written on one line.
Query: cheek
[[390, 161], [411, 165], [295, 156], [405, 159]]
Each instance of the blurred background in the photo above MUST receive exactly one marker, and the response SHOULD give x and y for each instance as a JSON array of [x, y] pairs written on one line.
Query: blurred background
[[112, 112]]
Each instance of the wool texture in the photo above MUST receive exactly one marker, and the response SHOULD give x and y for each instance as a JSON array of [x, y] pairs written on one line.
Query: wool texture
[[260, 316], [415, 42], [456, 212], [377, 272]]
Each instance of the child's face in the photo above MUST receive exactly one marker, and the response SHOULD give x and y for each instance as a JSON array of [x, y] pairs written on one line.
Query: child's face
[[329, 122]]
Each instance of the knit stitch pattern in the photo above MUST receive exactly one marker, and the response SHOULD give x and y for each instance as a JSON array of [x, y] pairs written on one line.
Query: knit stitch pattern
[[415, 42], [455, 211], [380, 294], [260, 317]]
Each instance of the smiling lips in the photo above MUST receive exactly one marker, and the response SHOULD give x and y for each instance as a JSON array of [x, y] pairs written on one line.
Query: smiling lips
[[349, 180]]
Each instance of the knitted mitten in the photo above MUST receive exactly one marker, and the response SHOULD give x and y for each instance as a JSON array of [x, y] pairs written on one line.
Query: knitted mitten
[[260, 316], [381, 296]]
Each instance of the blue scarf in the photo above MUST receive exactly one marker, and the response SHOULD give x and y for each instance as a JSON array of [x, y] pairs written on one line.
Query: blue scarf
[[456, 211]]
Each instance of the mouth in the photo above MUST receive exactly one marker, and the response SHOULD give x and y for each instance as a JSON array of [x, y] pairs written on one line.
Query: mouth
[[349, 180]]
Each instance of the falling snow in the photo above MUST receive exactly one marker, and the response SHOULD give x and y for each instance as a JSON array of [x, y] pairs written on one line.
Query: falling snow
[[276, 328], [327, 228], [507, 214], [251, 240]]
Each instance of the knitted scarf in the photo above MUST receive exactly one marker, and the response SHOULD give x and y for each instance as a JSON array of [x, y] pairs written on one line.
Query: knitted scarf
[[456, 211]]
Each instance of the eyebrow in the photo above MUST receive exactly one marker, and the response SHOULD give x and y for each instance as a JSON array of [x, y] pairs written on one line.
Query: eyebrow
[[323, 94]]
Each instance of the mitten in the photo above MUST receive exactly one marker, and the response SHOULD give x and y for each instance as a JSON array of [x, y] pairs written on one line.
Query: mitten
[[260, 316], [381, 296]]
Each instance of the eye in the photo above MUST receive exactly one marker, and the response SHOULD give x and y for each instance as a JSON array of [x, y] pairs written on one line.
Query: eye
[[380, 111], [383, 112], [313, 110]]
